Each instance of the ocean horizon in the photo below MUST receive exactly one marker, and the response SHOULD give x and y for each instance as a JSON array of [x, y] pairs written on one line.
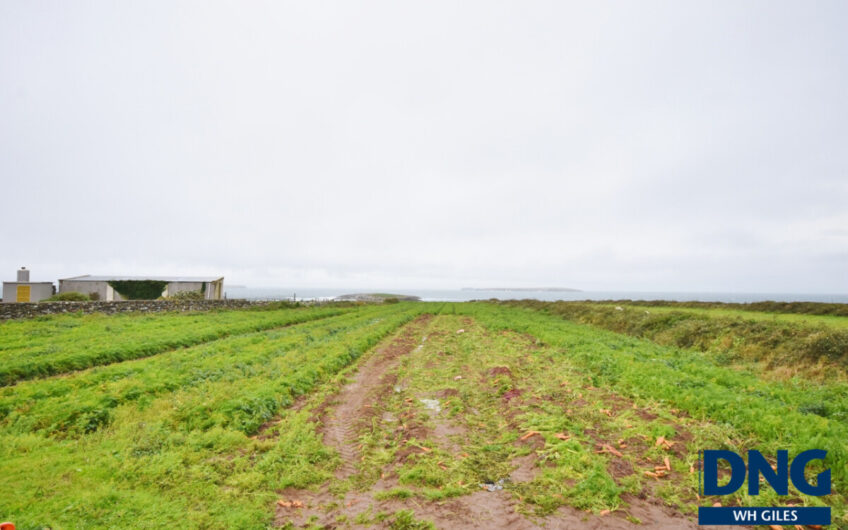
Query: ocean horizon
[[465, 295]]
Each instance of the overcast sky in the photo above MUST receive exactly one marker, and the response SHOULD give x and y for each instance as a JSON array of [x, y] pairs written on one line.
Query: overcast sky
[[675, 146]]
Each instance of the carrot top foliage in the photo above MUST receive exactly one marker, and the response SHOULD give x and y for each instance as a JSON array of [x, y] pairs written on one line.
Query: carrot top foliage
[[170, 439], [200, 429], [57, 344], [732, 336], [794, 415]]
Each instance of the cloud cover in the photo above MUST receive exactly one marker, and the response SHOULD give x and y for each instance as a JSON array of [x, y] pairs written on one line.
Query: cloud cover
[[599, 145]]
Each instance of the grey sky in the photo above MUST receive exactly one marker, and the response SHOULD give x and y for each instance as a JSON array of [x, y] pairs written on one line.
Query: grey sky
[[598, 145]]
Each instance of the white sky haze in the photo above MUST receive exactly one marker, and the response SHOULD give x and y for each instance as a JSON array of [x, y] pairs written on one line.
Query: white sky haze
[[673, 146]]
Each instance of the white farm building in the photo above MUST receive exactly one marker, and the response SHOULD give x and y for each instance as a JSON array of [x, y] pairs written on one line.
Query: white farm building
[[24, 290], [108, 288]]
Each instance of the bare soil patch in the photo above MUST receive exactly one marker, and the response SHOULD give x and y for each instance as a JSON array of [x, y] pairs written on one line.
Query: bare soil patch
[[356, 400]]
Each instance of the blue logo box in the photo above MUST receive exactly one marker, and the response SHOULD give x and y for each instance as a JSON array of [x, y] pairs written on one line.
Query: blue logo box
[[762, 516]]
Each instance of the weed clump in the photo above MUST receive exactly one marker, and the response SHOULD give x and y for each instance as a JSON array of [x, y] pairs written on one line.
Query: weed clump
[[68, 297]]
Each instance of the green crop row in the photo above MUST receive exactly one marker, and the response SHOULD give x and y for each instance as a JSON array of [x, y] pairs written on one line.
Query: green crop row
[[183, 455], [731, 335], [786, 308], [82, 402], [780, 415], [54, 345]]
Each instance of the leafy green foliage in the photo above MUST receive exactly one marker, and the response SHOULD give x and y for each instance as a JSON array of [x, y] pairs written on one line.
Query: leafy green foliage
[[206, 435], [63, 343], [139, 289], [405, 520], [795, 308], [776, 413], [68, 297], [777, 342], [187, 295], [171, 439]]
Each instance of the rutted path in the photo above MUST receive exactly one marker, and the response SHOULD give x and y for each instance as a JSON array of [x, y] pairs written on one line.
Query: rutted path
[[340, 418], [437, 426], [355, 401]]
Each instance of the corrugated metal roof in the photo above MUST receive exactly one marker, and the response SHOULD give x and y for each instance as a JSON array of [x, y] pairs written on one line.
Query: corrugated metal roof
[[169, 279]]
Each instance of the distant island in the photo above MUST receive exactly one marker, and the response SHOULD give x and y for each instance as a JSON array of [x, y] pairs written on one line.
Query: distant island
[[532, 289], [376, 297]]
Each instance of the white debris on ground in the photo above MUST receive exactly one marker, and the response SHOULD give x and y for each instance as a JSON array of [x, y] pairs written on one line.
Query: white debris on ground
[[432, 404], [460, 331], [493, 486]]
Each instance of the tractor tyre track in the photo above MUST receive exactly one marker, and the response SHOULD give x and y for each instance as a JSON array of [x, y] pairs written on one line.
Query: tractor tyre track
[[355, 400]]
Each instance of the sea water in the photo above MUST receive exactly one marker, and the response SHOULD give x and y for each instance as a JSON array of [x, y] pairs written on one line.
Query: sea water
[[464, 295]]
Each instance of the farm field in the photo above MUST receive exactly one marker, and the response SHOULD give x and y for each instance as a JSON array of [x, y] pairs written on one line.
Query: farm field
[[835, 321], [53, 345], [408, 415], [809, 348]]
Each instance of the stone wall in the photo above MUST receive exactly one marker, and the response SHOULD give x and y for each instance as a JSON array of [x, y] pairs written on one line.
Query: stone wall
[[23, 310]]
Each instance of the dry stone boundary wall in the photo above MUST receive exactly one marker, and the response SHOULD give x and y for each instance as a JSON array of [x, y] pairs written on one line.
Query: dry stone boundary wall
[[30, 310]]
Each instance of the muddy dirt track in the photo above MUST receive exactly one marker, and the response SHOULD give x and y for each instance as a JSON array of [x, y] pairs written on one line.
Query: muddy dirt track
[[361, 406]]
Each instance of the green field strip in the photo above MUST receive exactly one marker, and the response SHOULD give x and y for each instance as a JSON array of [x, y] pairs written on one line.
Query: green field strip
[[43, 405], [200, 357], [70, 343], [256, 398], [825, 396], [784, 349], [178, 439], [163, 462], [690, 381], [832, 321]]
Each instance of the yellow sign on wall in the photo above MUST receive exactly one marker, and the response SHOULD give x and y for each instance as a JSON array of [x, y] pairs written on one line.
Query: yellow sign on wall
[[23, 293]]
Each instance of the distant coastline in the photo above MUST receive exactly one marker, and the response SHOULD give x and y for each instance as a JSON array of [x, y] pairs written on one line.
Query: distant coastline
[[457, 295], [525, 289], [376, 297]]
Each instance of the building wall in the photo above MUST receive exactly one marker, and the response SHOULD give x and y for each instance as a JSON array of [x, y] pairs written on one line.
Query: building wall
[[178, 287], [103, 290], [214, 290], [112, 295], [37, 291]]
